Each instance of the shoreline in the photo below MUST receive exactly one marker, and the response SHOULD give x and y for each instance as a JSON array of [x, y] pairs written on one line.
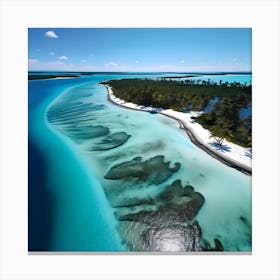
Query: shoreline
[[52, 78], [200, 140]]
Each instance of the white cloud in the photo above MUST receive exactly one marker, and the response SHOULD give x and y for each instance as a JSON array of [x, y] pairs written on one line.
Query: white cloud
[[35, 64], [83, 60], [51, 34], [32, 61], [182, 61], [137, 61], [63, 57], [112, 63], [51, 53], [55, 63]]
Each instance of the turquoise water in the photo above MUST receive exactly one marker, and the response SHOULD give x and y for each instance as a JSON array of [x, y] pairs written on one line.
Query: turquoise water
[[85, 140], [230, 78], [79, 216]]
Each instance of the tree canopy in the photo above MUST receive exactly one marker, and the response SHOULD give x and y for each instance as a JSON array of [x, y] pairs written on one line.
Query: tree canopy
[[222, 120]]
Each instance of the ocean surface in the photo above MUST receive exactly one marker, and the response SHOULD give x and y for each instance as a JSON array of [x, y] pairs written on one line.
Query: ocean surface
[[230, 78], [102, 178]]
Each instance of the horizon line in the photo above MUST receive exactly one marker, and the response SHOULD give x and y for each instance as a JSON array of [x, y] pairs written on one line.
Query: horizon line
[[183, 72]]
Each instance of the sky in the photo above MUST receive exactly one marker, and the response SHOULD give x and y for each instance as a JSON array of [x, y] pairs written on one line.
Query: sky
[[139, 49]]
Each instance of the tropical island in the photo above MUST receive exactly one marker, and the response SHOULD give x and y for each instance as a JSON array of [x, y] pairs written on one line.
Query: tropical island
[[215, 107]]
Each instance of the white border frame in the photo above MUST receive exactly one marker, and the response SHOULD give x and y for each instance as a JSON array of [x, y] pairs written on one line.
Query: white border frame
[[17, 16]]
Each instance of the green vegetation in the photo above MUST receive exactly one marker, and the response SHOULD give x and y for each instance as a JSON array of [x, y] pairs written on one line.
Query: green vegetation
[[223, 120], [49, 75], [52, 76]]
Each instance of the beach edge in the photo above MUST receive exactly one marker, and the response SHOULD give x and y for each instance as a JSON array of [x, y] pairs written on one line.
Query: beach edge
[[192, 136]]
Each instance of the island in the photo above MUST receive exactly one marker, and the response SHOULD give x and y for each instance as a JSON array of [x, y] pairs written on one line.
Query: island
[[216, 116], [41, 75]]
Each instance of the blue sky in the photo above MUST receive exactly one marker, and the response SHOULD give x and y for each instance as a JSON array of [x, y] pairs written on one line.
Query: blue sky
[[140, 49]]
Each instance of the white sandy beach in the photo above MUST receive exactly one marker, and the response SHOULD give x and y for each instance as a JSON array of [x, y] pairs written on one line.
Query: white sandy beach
[[229, 151]]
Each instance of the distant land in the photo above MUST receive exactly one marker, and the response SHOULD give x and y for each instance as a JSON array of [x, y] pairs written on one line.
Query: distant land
[[43, 75]]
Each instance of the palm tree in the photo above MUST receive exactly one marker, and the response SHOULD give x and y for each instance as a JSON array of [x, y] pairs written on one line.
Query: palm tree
[[221, 131]]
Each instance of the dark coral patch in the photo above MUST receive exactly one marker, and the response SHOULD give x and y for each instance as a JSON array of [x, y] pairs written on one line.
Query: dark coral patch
[[153, 170], [169, 224]]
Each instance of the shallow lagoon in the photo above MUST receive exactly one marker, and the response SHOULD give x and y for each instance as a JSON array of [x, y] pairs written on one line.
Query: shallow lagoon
[[230, 78], [224, 215]]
